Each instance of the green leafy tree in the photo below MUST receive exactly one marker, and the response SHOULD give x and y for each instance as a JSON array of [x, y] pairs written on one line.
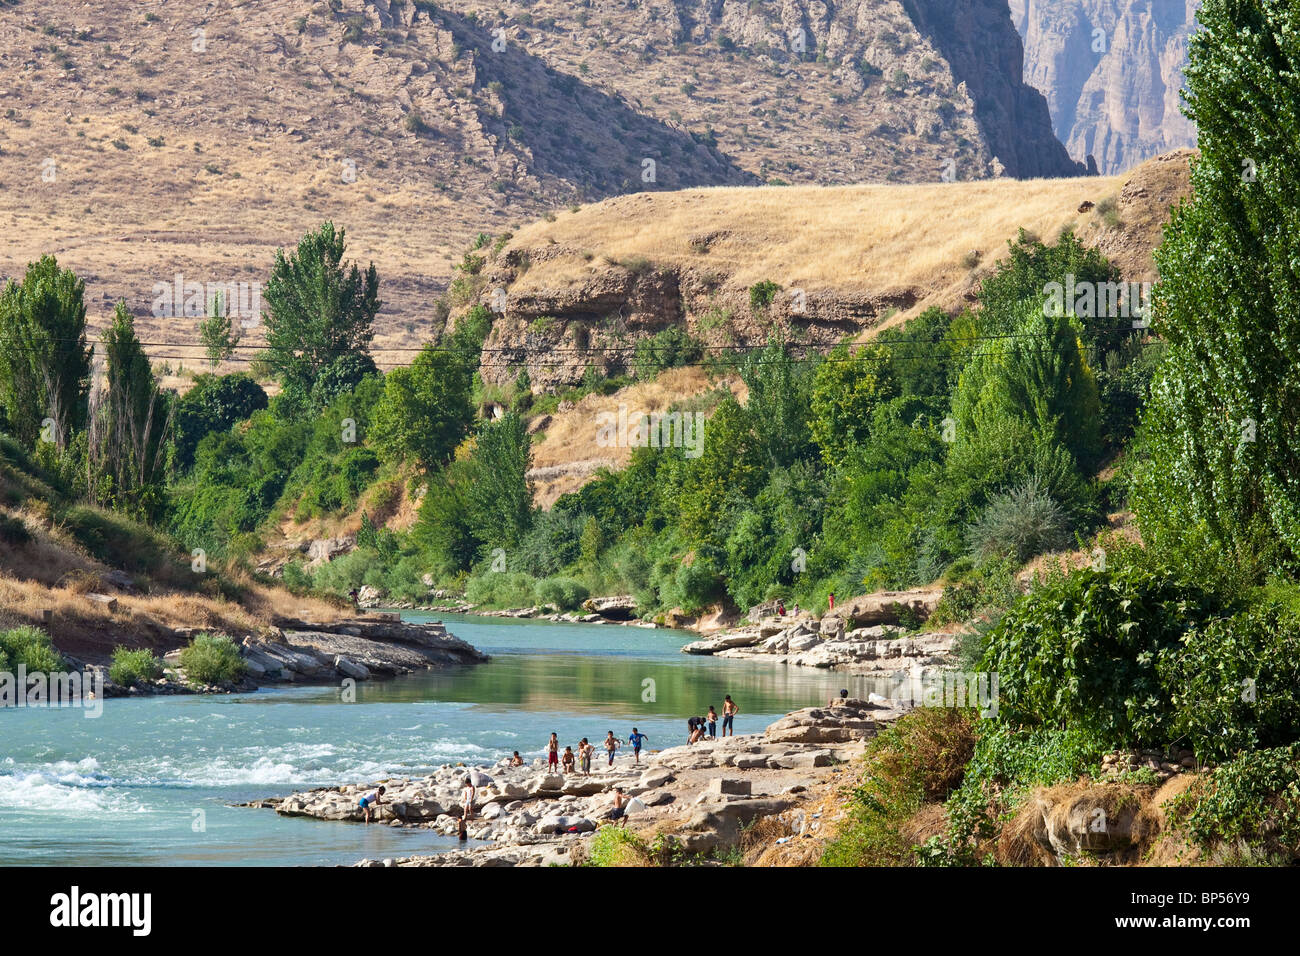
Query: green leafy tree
[[1039, 377], [592, 541], [318, 309], [130, 421], [44, 360], [217, 333], [1029, 267], [426, 409], [1223, 422], [501, 495], [846, 389], [779, 392], [214, 403]]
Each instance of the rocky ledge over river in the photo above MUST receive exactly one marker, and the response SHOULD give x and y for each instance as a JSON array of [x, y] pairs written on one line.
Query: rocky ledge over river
[[698, 796], [360, 648], [865, 636], [292, 651]]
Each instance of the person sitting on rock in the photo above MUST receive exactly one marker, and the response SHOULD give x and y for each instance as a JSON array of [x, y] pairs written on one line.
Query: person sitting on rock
[[516, 760], [372, 799], [839, 701], [568, 760]]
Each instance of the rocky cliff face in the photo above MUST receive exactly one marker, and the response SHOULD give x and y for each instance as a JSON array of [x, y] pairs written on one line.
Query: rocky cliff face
[[1111, 71], [811, 91]]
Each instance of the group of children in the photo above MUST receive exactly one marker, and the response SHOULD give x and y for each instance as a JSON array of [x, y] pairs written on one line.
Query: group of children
[[565, 762], [700, 727]]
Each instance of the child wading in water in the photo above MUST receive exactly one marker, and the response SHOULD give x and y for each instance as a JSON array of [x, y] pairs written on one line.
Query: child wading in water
[[373, 799]]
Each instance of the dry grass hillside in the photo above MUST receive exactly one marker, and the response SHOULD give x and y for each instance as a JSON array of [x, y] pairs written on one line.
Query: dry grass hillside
[[139, 141], [581, 288], [95, 580]]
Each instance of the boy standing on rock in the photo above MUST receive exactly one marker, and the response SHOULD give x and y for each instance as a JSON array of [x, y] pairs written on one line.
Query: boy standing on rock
[[553, 754], [611, 744], [373, 799], [729, 711], [584, 756]]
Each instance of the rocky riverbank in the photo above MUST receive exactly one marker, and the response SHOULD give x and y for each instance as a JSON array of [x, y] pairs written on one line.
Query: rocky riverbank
[[302, 652], [361, 648], [697, 797], [873, 634]]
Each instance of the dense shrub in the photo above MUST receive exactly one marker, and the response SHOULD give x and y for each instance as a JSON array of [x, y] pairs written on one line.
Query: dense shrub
[[1021, 523], [212, 659], [1254, 798], [563, 593], [1235, 683], [671, 348], [501, 589], [1082, 650], [129, 667], [30, 647]]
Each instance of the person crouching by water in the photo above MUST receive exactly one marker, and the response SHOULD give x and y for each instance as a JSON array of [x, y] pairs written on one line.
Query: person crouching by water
[[568, 760], [696, 727], [372, 799]]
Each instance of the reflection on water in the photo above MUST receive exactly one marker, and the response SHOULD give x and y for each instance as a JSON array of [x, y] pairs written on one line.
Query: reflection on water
[[152, 779]]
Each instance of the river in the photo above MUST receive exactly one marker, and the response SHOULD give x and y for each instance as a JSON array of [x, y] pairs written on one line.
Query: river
[[151, 780]]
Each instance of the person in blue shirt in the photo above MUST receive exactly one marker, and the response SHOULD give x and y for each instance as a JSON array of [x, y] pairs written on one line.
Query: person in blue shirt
[[635, 740]]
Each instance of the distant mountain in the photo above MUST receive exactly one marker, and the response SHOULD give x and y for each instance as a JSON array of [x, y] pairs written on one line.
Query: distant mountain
[[1111, 71], [190, 138]]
